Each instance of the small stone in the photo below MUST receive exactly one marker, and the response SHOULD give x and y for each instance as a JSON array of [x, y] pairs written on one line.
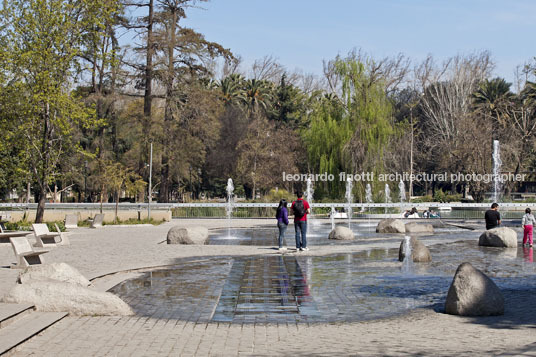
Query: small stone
[[187, 235], [390, 225], [419, 252], [414, 227], [341, 233]]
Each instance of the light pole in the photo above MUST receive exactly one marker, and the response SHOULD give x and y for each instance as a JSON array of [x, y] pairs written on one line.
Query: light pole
[[150, 184]]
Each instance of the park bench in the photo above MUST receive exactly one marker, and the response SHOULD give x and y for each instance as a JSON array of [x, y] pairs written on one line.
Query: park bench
[[71, 221], [96, 222], [24, 252], [44, 236]]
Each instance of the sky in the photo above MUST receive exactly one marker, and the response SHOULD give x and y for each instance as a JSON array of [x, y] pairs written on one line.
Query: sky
[[302, 33]]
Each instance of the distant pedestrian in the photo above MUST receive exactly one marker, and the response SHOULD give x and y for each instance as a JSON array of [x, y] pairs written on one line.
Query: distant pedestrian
[[282, 221], [300, 208], [528, 222], [493, 217]]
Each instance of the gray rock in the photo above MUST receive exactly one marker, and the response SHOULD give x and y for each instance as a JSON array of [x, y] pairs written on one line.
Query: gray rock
[[499, 237], [472, 293], [187, 235], [390, 225], [56, 271], [341, 233], [414, 227], [53, 295], [419, 252]]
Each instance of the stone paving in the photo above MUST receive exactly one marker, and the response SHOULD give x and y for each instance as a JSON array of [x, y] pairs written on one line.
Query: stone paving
[[157, 332]]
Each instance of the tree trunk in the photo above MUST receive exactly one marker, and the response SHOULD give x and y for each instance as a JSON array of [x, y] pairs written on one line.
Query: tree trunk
[[163, 193], [168, 113], [148, 95], [41, 205]]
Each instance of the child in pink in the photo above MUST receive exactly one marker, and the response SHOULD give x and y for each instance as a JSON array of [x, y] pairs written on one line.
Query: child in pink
[[528, 222]]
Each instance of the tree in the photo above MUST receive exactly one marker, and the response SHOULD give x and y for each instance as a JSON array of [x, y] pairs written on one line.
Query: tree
[[491, 98], [328, 132], [44, 38], [180, 52], [369, 114], [116, 178]]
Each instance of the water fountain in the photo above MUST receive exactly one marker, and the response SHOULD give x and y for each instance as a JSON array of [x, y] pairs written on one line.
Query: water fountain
[[387, 195], [368, 193], [332, 216], [229, 208], [496, 171], [349, 200], [309, 198], [368, 199], [407, 264], [402, 191]]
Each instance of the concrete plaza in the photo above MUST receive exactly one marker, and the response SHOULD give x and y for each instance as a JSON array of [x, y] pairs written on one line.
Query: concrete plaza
[[99, 253]]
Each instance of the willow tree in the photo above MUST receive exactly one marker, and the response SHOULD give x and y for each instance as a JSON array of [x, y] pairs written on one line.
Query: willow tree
[[43, 39], [369, 112], [359, 137], [328, 132]]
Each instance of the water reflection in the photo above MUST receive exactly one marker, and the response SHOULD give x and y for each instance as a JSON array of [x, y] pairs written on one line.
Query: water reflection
[[527, 254]]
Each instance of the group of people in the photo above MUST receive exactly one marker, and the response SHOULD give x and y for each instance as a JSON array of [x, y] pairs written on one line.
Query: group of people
[[299, 209], [493, 220]]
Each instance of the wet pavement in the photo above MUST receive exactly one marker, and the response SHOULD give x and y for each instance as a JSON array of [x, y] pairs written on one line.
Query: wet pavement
[[295, 288]]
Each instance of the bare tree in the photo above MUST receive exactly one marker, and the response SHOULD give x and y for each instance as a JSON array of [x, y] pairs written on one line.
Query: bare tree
[[447, 91], [267, 68]]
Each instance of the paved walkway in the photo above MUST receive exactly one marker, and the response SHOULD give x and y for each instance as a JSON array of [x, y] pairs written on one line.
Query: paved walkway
[[109, 249]]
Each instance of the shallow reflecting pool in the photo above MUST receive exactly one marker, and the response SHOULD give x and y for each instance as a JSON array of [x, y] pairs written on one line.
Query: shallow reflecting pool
[[292, 288]]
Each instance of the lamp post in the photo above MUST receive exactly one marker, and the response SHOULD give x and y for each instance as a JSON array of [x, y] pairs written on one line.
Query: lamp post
[[150, 184]]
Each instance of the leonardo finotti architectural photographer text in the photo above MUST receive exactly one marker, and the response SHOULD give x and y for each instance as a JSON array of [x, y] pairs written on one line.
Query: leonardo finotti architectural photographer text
[[405, 176]]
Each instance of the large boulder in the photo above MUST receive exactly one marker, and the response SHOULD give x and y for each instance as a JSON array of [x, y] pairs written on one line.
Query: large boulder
[[341, 233], [472, 293], [503, 237], [57, 271], [390, 225], [419, 252], [187, 235], [54, 295], [414, 227]]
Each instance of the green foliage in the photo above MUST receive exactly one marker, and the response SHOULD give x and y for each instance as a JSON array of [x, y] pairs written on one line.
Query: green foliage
[[328, 132], [440, 196], [276, 196], [426, 198]]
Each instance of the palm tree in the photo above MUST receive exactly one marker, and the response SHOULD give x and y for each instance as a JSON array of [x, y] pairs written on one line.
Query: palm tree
[[232, 89], [491, 97], [258, 93]]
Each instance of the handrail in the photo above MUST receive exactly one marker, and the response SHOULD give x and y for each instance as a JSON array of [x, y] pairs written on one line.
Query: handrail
[[167, 206]]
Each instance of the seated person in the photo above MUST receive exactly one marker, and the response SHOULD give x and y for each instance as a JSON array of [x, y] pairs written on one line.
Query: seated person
[[493, 217]]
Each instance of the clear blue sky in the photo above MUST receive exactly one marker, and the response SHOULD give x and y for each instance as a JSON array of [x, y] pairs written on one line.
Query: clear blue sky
[[301, 33]]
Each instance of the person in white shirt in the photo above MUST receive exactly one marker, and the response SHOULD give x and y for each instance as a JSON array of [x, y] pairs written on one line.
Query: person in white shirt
[[528, 222]]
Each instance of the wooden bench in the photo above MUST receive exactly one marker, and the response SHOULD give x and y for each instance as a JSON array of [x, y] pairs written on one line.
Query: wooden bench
[[24, 252], [44, 236]]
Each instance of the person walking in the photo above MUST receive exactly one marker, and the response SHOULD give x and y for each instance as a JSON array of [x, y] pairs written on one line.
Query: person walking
[[282, 221], [528, 222], [300, 209], [493, 217]]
